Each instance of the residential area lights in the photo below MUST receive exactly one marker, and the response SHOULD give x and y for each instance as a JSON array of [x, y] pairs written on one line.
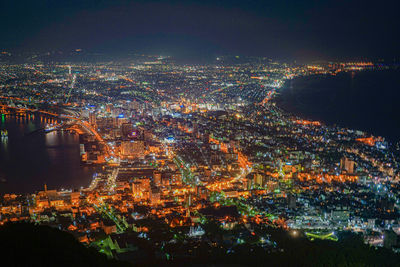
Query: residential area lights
[[183, 148]]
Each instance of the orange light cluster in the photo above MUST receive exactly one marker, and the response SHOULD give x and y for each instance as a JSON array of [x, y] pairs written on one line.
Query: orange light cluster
[[319, 178], [184, 129], [305, 122], [369, 140], [243, 160], [311, 67], [363, 64], [267, 98]]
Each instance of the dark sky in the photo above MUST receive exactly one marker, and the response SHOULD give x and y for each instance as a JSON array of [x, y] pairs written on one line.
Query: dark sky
[[280, 29]]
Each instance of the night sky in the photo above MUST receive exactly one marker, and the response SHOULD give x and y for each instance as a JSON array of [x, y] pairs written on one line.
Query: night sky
[[280, 29]]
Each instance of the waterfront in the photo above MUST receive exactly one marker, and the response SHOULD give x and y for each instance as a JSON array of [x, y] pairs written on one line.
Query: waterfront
[[362, 100], [29, 159]]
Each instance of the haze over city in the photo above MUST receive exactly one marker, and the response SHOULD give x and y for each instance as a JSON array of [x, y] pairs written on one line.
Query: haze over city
[[277, 29]]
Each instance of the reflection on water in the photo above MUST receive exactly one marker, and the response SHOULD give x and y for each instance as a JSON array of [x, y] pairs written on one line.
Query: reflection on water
[[4, 144], [30, 158], [52, 139]]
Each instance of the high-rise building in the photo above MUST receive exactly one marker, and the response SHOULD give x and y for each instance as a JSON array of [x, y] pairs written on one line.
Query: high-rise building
[[155, 196], [347, 165], [127, 129], [82, 149], [92, 119], [157, 178]]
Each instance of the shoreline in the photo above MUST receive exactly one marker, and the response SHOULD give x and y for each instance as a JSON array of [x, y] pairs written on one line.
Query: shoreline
[[63, 150], [283, 101]]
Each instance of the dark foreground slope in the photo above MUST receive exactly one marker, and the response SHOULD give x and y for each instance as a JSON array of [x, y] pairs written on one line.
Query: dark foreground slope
[[24, 244]]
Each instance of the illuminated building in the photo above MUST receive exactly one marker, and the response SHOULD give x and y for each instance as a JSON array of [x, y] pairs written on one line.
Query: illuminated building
[[157, 178], [347, 165], [92, 119], [127, 130], [155, 196], [109, 108], [132, 149]]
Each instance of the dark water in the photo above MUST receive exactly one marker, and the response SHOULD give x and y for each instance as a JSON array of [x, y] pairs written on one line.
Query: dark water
[[368, 100], [28, 161]]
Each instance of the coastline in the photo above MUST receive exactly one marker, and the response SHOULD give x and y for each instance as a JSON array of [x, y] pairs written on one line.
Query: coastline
[[42, 156], [330, 100]]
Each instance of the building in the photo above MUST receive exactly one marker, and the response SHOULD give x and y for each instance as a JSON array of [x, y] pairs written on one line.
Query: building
[[347, 165], [132, 149], [92, 119], [157, 178], [155, 196], [127, 129]]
